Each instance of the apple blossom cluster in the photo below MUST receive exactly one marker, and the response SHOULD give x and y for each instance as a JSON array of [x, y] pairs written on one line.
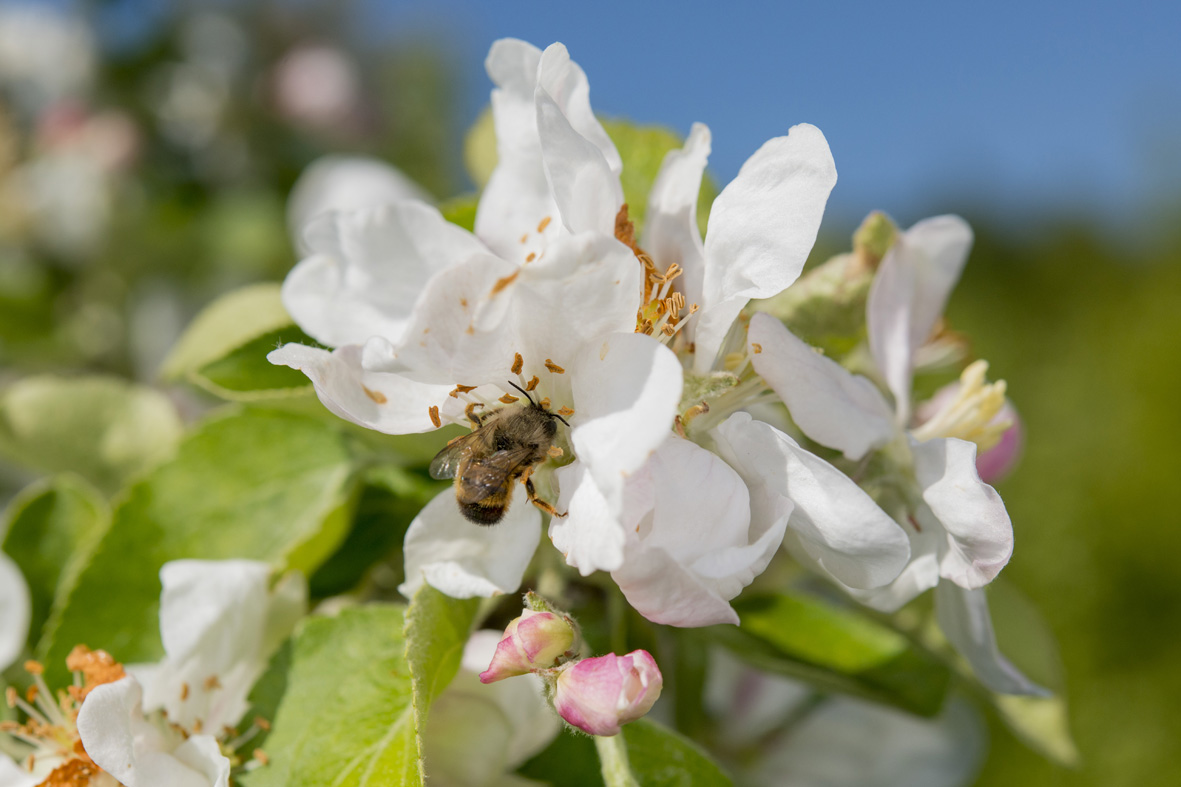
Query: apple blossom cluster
[[172, 722], [704, 436]]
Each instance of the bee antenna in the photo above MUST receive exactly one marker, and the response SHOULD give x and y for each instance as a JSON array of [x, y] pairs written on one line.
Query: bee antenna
[[555, 415], [522, 390]]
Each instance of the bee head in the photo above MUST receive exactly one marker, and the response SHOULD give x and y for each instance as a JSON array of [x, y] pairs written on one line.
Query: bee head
[[536, 405]]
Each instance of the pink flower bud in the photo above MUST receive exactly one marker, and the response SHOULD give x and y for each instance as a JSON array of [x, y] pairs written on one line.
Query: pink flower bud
[[534, 641], [997, 462], [597, 695]]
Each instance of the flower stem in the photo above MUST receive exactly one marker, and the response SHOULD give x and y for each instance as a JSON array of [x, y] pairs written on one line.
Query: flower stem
[[613, 761]]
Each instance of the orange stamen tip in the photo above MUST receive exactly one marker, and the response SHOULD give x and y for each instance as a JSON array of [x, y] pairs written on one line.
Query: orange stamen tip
[[184, 692], [376, 396], [544, 403], [758, 348], [532, 256], [212, 683], [461, 389], [518, 363], [502, 283], [508, 399], [543, 224], [532, 383], [553, 367], [525, 237], [434, 411], [555, 451], [34, 667], [261, 756], [565, 411], [262, 723]]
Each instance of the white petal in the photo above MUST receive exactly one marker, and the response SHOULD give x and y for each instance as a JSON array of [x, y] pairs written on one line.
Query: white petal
[[829, 403], [587, 192], [287, 604], [979, 533], [839, 525], [213, 618], [202, 754], [13, 775], [920, 575], [366, 270], [963, 616], [670, 225], [908, 294], [566, 83], [626, 392], [465, 560], [15, 611], [516, 198], [473, 318], [346, 183], [115, 734], [761, 229], [590, 536], [695, 545], [384, 401]]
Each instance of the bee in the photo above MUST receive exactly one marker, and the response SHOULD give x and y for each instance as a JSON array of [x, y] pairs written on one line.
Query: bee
[[503, 447]]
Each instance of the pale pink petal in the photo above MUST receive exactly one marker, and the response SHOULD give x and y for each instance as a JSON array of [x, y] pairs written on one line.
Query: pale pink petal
[[670, 224], [365, 270], [692, 541], [829, 403], [761, 229], [384, 401], [908, 294], [599, 694], [963, 616], [466, 560], [838, 525], [979, 534]]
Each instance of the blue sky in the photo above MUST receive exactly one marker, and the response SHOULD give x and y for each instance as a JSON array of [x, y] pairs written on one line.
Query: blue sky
[[1027, 108]]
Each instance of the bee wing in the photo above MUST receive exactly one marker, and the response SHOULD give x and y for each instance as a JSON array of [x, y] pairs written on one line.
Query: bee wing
[[489, 475], [446, 462]]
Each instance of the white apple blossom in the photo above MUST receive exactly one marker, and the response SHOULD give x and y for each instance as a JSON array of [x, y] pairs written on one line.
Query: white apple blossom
[[164, 722], [960, 534], [430, 320]]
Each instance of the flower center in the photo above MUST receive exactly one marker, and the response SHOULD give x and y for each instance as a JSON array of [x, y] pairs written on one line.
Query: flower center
[[971, 413], [47, 745], [663, 309]]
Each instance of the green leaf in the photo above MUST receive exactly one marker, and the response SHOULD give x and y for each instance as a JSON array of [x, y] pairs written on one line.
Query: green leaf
[[437, 628], [479, 149], [346, 718], [262, 485], [225, 325], [389, 501], [1042, 723], [461, 211], [244, 374], [51, 529], [835, 649], [102, 428], [659, 757], [643, 149], [570, 761]]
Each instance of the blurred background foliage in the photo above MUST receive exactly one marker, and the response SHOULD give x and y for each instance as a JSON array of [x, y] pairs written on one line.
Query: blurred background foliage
[[155, 178]]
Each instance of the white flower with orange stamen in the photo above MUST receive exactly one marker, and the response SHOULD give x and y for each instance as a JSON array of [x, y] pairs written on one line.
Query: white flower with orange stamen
[[431, 321], [959, 531]]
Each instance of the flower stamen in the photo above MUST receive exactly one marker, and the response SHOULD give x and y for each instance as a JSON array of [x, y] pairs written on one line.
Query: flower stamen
[[970, 415]]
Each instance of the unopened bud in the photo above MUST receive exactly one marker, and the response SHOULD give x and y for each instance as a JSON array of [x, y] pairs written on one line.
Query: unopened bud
[[534, 641], [997, 462], [597, 695]]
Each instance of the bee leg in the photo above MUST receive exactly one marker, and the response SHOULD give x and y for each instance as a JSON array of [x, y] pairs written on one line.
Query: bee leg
[[531, 494], [470, 412]]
